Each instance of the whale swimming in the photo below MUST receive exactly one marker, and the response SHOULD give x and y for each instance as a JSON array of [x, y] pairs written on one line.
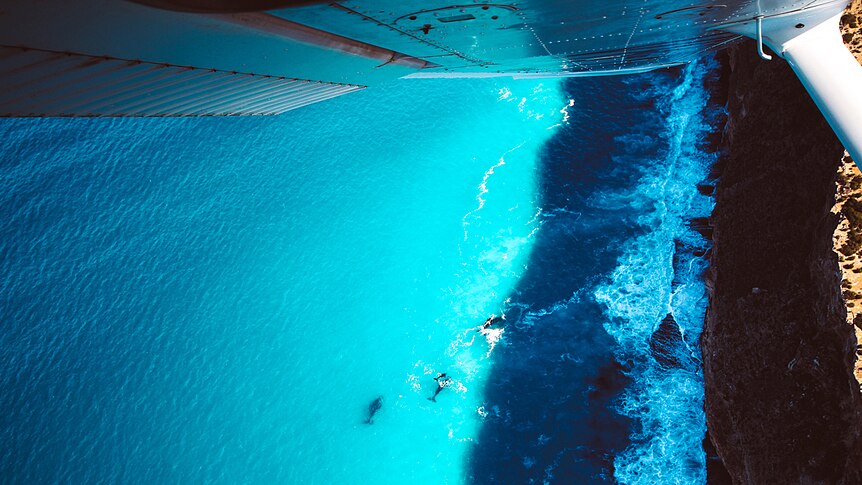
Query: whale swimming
[[373, 408], [443, 381], [491, 321]]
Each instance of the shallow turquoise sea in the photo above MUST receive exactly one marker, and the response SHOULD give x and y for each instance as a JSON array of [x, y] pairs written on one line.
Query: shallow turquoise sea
[[198, 300], [221, 300]]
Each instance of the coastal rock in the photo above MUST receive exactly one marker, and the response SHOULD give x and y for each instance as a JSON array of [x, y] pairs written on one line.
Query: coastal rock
[[702, 225], [781, 401], [668, 347], [847, 244], [706, 189]]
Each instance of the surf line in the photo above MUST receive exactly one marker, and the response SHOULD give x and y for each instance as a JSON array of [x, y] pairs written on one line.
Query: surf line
[[666, 400], [483, 187]]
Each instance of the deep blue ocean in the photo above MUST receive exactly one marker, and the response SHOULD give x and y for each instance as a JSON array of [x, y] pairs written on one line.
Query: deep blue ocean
[[223, 300]]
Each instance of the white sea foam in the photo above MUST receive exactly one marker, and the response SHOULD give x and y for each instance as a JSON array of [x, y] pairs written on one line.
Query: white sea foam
[[492, 336], [483, 189], [482, 412], [666, 404], [565, 112]]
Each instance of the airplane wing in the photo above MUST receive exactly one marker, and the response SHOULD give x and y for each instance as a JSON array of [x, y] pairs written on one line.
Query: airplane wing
[[261, 57]]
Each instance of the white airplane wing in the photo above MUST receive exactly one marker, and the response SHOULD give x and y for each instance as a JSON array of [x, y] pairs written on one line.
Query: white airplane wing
[[258, 57]]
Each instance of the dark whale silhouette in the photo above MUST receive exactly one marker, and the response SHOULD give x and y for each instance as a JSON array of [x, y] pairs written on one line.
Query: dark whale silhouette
[[373, 408], [491, 321], [443, 381]]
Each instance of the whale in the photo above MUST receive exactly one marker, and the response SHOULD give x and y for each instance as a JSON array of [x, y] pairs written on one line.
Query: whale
[[443, 381], [495, 319], [434, 397], [373, 408], [491, 321]]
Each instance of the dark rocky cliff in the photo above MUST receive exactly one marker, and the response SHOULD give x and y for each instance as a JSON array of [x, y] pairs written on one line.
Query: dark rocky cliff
[[781, 401]]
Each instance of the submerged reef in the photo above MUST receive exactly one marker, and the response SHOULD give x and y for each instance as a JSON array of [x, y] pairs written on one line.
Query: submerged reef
[[781, 401]]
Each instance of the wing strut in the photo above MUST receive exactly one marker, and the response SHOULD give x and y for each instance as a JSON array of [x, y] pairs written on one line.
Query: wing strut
[[810, 40], [833, 78]]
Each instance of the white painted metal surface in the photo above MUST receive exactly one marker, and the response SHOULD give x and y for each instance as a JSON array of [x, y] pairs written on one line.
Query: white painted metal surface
[[832, 77], [810, 41], [366, 42]]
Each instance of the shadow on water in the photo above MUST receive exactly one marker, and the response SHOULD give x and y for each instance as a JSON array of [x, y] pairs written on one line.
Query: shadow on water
[[551, 396]]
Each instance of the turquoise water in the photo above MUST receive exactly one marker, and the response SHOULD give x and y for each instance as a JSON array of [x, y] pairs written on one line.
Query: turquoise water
[[221, 300]]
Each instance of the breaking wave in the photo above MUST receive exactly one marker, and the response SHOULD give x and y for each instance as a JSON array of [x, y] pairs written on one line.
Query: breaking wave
[[655, 299]]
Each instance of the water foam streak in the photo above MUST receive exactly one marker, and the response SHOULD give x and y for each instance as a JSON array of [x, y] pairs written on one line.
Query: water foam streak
[[483, 187]]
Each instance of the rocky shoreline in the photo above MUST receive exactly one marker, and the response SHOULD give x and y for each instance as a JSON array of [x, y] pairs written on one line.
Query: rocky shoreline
[[781, 401], [847, 239], [847, 244]]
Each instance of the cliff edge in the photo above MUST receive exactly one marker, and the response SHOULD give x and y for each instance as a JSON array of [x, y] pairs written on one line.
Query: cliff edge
[[847, 239], [781, 400]]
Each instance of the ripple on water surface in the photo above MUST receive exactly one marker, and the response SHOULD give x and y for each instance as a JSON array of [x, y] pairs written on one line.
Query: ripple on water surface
[[220, 300]]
